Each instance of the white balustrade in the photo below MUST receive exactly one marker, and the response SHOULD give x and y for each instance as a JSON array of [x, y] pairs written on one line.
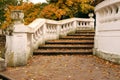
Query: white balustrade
[[49, 29], [107, 37], [27, 38], [85, 23]]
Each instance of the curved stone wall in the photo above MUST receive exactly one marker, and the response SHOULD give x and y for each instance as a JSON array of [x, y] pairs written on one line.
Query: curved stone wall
[[107, 37]]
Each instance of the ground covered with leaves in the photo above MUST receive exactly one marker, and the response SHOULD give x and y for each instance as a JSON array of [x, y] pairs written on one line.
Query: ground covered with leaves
[[65, 67]]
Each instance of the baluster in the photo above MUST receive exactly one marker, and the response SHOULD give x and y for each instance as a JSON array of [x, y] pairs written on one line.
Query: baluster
[[78, 23], [67, 27], [33, 38], [81, 23], [117, 17], [118, 7], [61, 30], [52, 28], [113, 10], [64, 27], [87, 24], [71, 26], [56, 29], [39, 32], [44, 32], [36, 36], [64, 30], [113, 13], [48, 29], [75, 25]]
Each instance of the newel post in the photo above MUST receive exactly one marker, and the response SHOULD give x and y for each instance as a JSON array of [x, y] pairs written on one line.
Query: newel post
[[18, 42], [58, 30], [44, 33], [75, 25], [91, 20]]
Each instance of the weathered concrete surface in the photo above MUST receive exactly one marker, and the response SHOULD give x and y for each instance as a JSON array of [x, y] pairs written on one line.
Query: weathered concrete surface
[[108, 56], [2, 64], [65, 67]]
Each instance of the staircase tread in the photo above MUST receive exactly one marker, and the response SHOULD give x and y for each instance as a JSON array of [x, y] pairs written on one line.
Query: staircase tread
[[60, 40], [67, 46], [78, 37], [89, 31], [61, 50], [81, 34], [80, 42]]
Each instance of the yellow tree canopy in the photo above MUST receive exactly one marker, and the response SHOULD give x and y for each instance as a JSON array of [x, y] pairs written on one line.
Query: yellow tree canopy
[[56, 10]]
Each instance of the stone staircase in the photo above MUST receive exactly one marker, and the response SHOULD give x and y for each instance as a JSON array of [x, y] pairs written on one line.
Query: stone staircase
[[80, 42]]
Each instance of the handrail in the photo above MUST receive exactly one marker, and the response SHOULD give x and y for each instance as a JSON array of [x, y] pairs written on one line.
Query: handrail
[[45, 29], [106, 3]]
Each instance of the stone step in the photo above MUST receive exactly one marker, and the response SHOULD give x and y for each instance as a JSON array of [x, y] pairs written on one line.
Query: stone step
[[5, 77], [77, 38], [81, 42], [62, 51], [70, 42], [82, 32], [85, 35], [85, 31], [66, 47]]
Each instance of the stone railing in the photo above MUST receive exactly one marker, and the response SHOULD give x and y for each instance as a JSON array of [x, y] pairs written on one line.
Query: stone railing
[[107, 37], [43, 29], [20, 46]]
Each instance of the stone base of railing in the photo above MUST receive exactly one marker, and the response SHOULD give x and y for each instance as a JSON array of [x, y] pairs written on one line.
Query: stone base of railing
[[2, 64], [85, 28], [0, 31], [107, 56]]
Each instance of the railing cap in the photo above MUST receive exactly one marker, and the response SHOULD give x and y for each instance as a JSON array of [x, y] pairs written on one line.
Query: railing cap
[[21, 28], [106, 3]]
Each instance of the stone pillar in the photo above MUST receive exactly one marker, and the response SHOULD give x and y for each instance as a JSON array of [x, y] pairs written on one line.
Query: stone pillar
[[44, 33], [75, 25], [58, 30], [92, 20], [18, 46], [96, 30]]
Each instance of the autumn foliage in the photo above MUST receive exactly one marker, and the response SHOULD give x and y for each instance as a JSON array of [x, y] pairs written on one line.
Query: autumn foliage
[[52, 12], [55, 10]]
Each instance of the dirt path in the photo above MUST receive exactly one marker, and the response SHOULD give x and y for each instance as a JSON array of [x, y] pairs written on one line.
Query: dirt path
[[65, 67]]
